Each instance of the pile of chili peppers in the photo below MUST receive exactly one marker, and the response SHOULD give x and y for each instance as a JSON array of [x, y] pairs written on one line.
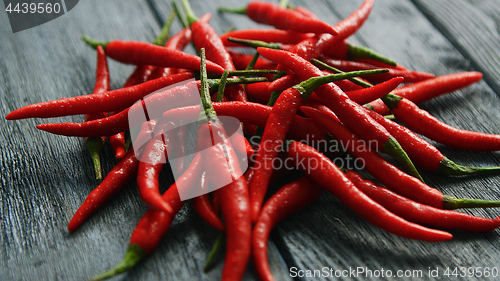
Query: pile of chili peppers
[[309, 85]]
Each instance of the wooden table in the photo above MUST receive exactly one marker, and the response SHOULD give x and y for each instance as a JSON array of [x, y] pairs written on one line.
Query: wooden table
[[44, 178]]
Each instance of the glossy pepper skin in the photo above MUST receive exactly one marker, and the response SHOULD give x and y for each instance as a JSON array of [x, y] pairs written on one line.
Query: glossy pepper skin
[[289, 199], [105, 102], [349, 112], [429, 89], [375, 164], [330, 178], [420, 213], [283, 18], [115, 180], [422, 122], [156, 223]]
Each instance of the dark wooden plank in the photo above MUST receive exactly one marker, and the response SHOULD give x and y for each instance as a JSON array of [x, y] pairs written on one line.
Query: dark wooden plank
[[45, 178], [471, 26]]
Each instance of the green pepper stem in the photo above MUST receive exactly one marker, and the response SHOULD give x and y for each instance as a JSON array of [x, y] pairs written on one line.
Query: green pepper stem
[[284, 3], [452, 203], [94, 145], [181, 17], [335, 70], [162, 38], [133, 255], [191, 16], [222, 86], [249, 72], [235, 81], [205, 94], [94, 43], [216, 248], [358, 52], [255, 43], [253, 61], [241, 11], [450, 168], [394, 149], [307, 87], [391, 100]]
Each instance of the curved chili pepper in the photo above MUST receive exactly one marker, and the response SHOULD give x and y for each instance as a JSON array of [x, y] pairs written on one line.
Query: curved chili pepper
[[155, 223], [330, 178], [424, 154], [105, 102], [142, 53], [422, 122], [114, 181], [277, 126], [282, 18], [367, 95], [387, 173], [429, 89], [410, 76], [345, 27], [349, 112], [102, 84], [287, 200], [203, 207], [119, 176], [204, 36], [420, 213], [153, 159]]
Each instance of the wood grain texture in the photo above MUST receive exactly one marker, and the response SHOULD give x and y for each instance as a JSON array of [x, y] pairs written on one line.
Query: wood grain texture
[[44, 178]]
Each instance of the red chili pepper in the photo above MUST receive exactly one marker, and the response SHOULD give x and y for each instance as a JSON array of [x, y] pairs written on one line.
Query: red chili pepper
[[266, 35], [420, 213], [410, 76], [277, 126], [105, 102], [142, 53], [259, 92], [101, 85], [153, 159], [346, 27], [282, 18], [367, 95], [114, 181], [424, 154], [348, 111], [203, 207], [422, 122], [287, 200], [429, 89], [252, 113], [155, 223], [119, 176], [330, 178], [177, 42], [387, 173]]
